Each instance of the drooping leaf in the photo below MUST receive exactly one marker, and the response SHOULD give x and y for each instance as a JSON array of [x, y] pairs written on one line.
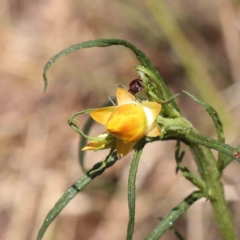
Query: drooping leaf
[[142, 58]]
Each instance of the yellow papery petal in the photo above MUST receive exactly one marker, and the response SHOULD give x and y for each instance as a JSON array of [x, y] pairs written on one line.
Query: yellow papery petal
[[102, 115], [155, 130], [103, 144], [123, 148], [91, 146], [128, 123], [124, 97], [152, 110]]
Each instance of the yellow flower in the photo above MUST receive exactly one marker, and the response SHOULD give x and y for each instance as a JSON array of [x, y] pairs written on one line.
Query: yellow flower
[[128, 122]]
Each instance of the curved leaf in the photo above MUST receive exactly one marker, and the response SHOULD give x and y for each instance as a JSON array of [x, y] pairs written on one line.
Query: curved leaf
[[143, 59]]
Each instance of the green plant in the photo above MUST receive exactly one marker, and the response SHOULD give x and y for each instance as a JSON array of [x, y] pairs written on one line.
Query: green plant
[[173, 127]]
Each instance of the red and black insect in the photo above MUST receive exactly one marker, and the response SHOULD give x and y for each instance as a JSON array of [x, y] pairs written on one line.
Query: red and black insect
[[135, 86]]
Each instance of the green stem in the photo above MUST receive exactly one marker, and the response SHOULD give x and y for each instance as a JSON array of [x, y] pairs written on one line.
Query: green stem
[[211, 176]]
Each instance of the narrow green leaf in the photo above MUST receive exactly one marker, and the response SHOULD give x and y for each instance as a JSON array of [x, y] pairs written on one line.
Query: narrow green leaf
[[73, 191], [132, 188], [226, 149], [143, 59], [217, 122], [213, 114], [167, 222], [98, 43]]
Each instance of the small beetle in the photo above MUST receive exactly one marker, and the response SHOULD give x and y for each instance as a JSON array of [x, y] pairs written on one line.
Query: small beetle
[[135, 86]]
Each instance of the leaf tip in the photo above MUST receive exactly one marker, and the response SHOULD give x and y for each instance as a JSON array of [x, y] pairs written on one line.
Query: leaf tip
[[45, 82]]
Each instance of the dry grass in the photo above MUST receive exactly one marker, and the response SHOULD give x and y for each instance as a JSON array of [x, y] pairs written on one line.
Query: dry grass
[[38, 149]]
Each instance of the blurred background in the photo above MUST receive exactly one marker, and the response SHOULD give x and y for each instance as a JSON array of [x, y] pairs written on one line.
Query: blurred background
[[195, 45]]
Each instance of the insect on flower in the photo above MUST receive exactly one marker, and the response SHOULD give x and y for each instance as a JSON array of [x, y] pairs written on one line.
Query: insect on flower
[[135, 86]]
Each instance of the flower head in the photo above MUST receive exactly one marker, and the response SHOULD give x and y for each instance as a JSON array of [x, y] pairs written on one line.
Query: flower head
[[128, 122]]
